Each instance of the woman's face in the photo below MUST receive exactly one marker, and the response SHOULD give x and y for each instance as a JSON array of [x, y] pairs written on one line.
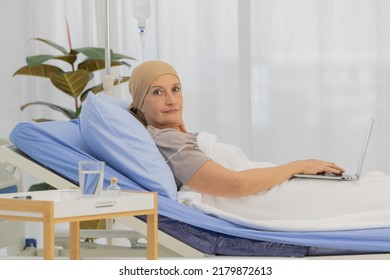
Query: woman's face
[[163, 103]]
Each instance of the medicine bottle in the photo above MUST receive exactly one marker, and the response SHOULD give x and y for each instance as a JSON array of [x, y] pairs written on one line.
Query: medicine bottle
[[113, 189]]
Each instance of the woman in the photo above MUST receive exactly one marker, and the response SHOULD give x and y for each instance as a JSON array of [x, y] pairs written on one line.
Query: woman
[[158, 102]]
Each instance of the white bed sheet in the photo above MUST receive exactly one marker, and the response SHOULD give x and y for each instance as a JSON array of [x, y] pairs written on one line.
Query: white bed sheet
[[298, 204]]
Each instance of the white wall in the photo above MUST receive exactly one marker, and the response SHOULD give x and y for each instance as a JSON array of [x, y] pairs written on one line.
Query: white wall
[[12, 51]]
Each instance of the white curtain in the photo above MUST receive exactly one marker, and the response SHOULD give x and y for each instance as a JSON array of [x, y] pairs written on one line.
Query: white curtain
[[283, 79], [319, 71]]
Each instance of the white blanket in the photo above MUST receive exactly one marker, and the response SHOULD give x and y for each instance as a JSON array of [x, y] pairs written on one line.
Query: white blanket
[[295, 205]]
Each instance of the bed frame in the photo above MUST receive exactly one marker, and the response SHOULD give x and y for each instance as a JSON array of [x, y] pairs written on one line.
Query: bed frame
[[12, 233], [169, 247]]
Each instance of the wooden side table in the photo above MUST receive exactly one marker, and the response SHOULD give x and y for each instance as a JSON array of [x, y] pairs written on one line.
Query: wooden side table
[[49, 208]]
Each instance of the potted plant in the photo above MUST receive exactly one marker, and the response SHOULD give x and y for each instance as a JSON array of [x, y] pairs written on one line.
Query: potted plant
[[74, 79]]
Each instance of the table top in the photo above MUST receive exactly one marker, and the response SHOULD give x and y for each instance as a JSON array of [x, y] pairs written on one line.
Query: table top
[[67, 204]]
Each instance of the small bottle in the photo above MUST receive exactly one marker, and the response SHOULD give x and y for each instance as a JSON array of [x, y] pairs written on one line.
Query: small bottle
[[113, 189]]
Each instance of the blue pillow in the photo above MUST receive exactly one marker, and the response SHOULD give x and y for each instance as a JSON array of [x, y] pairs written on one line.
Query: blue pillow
[[58, 145], [113, 100], [116, 137]]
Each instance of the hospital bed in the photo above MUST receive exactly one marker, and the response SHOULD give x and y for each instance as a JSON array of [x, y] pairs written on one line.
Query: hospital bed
[[51, 151], [12, 233]]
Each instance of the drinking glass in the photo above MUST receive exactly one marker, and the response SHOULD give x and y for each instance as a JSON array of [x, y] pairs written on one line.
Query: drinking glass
[[91, 177]]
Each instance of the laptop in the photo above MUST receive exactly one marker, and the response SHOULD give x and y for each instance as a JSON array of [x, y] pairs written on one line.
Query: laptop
[[346, 177]]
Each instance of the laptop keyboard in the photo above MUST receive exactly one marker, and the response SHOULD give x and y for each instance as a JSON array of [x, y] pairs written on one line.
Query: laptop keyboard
[[343, 176], [329, 174]]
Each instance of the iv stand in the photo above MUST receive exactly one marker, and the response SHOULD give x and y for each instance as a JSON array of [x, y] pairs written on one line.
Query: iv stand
[[108, 81]]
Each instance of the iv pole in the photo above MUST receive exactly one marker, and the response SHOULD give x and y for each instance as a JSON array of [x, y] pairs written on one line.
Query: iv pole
[[141, 10], [108, 81]]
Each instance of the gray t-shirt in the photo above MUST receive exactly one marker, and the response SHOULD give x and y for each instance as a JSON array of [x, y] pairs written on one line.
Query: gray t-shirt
[[181, 152]]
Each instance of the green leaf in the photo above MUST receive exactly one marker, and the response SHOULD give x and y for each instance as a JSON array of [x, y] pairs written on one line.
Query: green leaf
[[99, 88], [42, 120], [72, 83], [125, 63], [92, 53], [100, 54], [94, 65], [70, 58], [67, 112], [77, 112], [43, 70], [117, 56], [54, 45], [39, 59], [95, 89]]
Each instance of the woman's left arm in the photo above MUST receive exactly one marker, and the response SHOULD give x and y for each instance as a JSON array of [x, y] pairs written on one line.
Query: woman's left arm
[[214, 179]]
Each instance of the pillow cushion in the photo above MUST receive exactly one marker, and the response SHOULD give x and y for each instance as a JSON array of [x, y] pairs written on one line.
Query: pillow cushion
[[58, 146], [116, 137], [113, 100]]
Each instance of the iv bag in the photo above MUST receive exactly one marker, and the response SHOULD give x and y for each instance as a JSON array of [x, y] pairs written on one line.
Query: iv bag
[[141, 11]]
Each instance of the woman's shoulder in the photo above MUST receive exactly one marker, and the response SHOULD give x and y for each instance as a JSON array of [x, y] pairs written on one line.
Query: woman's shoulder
[[170, 135], [157, 132]]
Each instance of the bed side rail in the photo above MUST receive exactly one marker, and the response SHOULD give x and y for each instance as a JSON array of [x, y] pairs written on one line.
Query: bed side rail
[[19, 160]]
